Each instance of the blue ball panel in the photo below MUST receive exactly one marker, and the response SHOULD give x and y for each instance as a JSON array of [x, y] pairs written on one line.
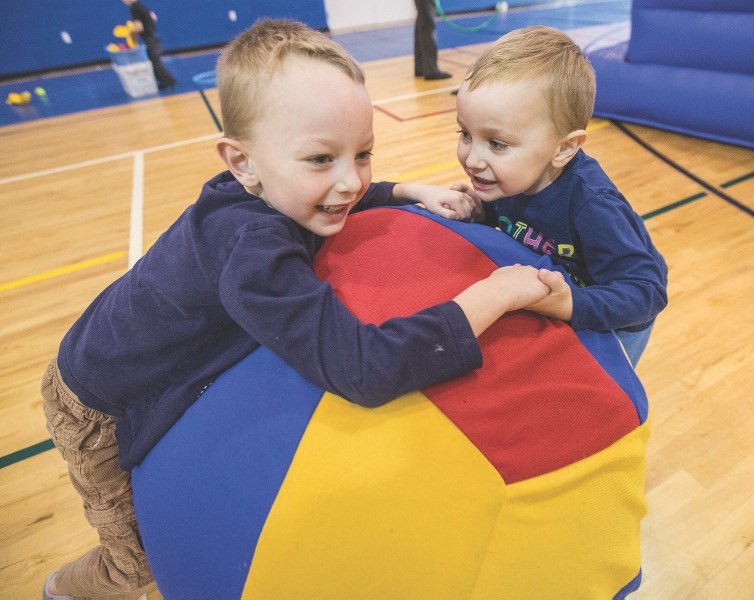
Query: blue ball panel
[[202, 517]]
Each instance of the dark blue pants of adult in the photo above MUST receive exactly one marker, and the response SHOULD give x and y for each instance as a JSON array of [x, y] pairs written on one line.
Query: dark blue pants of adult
[[425, 40], [164, 77]]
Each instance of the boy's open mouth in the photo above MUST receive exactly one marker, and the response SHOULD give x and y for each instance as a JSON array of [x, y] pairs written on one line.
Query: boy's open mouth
[[480, 183], [333, 209], [483, 182]]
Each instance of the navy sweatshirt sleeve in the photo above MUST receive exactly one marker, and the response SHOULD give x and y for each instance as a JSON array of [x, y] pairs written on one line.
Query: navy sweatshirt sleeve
[[378, 194], [590, 230], [269, 288], [228, 275], [628, 275]]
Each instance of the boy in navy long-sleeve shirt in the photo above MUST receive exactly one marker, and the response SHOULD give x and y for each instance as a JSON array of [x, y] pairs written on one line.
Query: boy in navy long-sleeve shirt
[[235, 272], [523, 110]]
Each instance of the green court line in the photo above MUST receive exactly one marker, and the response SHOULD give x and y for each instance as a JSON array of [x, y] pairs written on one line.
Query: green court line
[[14, 457], [669, 207], [666, 159], [211, 111], [733, 182]]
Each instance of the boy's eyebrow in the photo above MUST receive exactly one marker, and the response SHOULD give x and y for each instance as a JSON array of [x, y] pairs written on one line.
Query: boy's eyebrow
[[491, 132], [486, 131], [327, 141]]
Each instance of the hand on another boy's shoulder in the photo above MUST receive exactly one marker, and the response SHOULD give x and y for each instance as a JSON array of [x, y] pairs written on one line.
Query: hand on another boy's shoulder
[[452, 203], [477, 211]]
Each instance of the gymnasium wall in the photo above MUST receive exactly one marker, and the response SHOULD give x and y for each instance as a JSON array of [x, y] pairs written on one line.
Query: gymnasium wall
[[40, 35], [350, 14]]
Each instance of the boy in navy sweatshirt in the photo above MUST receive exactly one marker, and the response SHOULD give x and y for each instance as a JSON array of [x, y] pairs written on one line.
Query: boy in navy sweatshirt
[[235, 272], [523, 110]]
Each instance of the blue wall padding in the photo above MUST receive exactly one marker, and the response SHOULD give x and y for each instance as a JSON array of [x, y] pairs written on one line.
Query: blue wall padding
[[688, 68], [709, 38], [30, 38]]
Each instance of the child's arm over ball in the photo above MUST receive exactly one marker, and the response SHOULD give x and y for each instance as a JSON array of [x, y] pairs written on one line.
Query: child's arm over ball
[[455, 204]]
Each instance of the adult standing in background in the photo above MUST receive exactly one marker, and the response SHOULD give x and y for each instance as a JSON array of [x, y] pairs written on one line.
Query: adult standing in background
[[425, 42], [144, 20]]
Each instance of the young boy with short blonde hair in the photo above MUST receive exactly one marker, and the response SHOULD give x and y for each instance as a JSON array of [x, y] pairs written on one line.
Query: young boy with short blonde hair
[[523, 110], [235, 272]]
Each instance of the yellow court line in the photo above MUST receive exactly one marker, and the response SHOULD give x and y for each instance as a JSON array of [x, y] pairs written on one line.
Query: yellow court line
[[4, 287], [79, 266], [597, 124], [409, 176]]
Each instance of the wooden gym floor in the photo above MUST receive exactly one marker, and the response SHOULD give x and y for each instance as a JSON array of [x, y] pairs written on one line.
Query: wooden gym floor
[[82, 195]]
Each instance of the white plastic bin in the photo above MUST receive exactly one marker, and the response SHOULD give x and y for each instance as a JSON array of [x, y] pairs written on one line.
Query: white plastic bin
[[134, 71]]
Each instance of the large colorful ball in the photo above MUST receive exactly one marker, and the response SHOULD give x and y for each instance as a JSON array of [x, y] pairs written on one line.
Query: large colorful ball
[[521, 481]]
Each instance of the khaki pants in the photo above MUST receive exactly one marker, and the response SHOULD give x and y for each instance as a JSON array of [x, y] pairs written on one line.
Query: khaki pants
[[118, 567]]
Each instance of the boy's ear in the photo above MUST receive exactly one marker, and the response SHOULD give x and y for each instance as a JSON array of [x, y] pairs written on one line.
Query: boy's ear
[[568, 147], [237, 160]]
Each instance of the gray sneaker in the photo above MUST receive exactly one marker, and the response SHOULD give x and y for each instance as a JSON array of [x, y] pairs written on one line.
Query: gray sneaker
[[46, 595]]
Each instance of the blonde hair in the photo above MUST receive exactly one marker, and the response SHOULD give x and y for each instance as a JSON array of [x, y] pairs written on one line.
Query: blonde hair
[[547, 56], [248, 62]]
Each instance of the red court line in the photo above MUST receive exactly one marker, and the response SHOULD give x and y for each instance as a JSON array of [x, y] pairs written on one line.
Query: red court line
[[422, 116], [464, 50], [457, 63]]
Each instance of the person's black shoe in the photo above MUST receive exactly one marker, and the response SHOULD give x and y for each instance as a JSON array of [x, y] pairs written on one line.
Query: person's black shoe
[[438, 75], [166, 86]]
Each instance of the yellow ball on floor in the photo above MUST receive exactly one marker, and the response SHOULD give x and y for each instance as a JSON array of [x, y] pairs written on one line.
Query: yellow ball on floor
[[16, 99]]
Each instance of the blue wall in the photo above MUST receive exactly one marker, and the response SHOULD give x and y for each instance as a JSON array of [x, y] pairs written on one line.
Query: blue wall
[[30, 30]]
